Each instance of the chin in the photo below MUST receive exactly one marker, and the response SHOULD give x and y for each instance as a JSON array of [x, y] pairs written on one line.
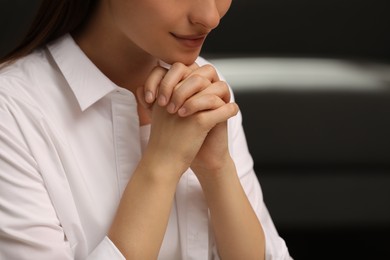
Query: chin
[[186, 58]]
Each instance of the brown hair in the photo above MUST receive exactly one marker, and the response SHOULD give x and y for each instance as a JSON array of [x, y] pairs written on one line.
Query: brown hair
[[54, 19]]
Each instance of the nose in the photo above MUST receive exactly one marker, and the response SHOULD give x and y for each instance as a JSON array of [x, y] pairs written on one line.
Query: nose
[[205, 13]]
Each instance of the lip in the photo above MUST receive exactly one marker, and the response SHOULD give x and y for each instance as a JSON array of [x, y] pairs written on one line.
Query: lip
[[190, 41]]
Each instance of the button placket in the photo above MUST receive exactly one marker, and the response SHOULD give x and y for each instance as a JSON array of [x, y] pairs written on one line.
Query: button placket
[[126, 135]]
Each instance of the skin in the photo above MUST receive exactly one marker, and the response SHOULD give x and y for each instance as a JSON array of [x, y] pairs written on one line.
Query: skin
[[187, 102]]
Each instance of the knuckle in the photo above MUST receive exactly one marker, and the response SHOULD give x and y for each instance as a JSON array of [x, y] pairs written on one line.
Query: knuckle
[[197, 77], [177, 97], [209, 67], [223, 85], [214, 101], [177, 66], [233, 109], [201, 120], [225, 90], [164, 85], [200, 80]]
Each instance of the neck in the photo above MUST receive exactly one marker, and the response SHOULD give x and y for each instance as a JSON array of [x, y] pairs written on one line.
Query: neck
[[114, 54]]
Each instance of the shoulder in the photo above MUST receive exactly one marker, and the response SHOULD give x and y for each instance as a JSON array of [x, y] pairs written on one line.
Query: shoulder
[[21, 78], [20, 81]]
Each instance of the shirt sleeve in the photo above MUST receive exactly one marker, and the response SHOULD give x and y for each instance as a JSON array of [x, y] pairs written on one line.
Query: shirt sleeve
[[29, 224], [276, 248], [29, 227], [106, 250]]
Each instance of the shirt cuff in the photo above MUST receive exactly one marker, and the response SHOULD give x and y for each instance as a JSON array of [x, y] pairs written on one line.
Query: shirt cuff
[[106, 250]]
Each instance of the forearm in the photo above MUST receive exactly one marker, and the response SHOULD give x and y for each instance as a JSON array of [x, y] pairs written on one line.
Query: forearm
[[238, 232], [140, 224]]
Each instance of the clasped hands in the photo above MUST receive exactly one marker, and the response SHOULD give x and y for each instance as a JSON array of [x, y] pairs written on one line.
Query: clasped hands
[[189, 108]]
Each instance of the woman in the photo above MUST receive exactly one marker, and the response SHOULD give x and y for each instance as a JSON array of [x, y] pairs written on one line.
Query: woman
[[108, 153]]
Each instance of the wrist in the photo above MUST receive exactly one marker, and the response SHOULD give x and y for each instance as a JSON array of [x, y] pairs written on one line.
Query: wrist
[[212, 175], [159, 169]]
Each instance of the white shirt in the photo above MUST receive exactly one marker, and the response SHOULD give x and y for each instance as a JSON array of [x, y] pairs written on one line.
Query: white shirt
[[69, 141]]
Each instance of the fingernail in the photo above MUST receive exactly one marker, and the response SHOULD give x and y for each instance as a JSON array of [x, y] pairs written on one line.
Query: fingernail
[[182, 111], [149, 96], [162, 101], [171, 108]]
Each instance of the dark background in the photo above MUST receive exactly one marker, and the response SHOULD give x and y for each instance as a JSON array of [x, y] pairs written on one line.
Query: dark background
[[15, 19], [317, 218], [327, 28]]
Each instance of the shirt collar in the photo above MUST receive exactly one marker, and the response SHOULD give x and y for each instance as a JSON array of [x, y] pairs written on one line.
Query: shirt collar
[[87, 82]]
